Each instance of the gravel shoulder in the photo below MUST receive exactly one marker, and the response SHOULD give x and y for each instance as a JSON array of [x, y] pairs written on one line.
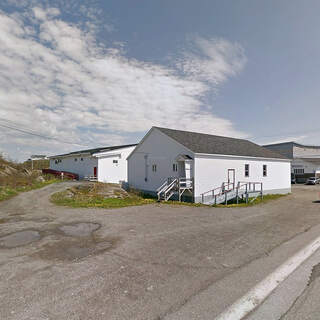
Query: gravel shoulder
[[132, 263]]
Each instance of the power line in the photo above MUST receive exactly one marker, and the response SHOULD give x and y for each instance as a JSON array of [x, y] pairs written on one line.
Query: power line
[[29, 132]]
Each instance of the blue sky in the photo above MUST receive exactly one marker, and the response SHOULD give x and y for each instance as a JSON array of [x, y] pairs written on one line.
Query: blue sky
[[98, 73]]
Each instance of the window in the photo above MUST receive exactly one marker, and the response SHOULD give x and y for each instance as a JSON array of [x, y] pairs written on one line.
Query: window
[[154, 168], [264, 170], [246, 170], [115, 161], [75, 159], [175, 167], [298, 171], [81, 159], [56, 161]]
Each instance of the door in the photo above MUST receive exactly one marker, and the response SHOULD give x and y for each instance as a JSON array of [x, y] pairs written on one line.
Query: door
[[95, 171], [231, 178]]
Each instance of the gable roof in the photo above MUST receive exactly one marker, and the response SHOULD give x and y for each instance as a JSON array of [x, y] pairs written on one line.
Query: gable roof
[[95, 150], [211, 144]]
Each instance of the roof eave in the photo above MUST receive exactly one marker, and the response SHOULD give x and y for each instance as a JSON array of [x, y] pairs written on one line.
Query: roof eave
[[238, 156]]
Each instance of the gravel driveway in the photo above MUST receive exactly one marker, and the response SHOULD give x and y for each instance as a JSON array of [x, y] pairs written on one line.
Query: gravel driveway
[[131, 263]]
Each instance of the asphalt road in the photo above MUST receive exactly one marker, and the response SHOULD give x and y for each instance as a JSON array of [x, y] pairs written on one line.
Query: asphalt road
[[148, 262]]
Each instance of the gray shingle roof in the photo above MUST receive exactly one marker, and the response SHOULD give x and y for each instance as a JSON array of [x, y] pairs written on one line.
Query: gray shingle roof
[[95, 150], [211, 144]]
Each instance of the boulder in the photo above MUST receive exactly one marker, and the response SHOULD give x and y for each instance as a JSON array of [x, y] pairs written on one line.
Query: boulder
[[40, 179]]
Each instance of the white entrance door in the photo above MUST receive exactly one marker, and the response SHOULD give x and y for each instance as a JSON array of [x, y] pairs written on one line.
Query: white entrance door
[[231, 178]]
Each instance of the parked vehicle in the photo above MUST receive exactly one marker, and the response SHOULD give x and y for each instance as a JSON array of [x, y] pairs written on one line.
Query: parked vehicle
[[313, 180]]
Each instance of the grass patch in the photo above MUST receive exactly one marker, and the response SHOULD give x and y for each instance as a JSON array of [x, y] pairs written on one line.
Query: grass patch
[[251, 202], [99, 195], [183, 203]]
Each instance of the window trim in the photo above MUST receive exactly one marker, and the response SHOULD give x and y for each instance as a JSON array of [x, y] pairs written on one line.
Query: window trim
[[175, 167]]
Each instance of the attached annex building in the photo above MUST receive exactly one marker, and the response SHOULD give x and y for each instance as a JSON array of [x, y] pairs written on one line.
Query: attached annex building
[[200, 163], [108, 164], [305, 159]]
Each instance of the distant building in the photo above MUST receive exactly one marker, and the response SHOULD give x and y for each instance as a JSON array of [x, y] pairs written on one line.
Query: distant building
[[107, 164], [38, 157], [305, 159]]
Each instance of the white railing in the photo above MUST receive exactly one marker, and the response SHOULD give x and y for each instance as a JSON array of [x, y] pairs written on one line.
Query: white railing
[[173, 184], [225, 193]]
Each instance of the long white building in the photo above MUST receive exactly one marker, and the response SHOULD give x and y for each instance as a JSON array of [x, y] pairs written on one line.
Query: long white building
[[108, 164], [199, 165]]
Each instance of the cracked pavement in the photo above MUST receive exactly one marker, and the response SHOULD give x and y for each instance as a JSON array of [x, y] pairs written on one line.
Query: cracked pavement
[[144, 262]]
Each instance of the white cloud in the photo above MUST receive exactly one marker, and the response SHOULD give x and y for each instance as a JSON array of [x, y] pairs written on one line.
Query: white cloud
[[56, 78], [212, 60]]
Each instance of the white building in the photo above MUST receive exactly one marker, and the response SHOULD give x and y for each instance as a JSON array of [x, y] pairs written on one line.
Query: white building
[[305, 159], [107, 164], [202, 163]]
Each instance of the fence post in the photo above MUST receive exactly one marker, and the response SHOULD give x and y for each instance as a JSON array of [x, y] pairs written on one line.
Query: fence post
[[237, 195]]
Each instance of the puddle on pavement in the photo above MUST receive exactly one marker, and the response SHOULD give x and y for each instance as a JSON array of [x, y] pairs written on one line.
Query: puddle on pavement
[[70, 249], [81, 229], [20, 238]]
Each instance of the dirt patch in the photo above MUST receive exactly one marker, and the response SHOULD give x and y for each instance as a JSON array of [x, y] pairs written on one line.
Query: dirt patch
[[103, 190], [3, 220], [315, 273], [81, 229], [20, 238], [73, 249]]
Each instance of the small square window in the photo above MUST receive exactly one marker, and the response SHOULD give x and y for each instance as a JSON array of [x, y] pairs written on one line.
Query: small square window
[[115, 161], [264, 170], [154, 168], [75, 159], [246, 170], [175, 167], [81, 159]]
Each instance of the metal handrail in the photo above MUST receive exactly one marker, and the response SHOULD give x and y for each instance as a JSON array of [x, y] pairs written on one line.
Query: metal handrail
[[163, 185], [170, 187]]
